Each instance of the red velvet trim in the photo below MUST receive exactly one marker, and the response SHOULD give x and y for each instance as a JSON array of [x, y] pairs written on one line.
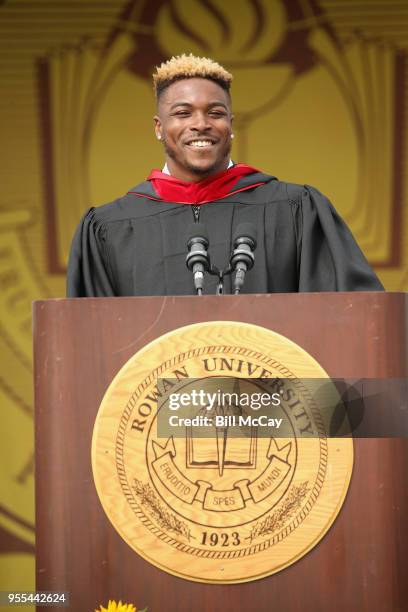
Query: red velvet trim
[[210, 189]]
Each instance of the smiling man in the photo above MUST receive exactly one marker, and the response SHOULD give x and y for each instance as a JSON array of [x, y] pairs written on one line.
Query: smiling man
[[194, 122], [136, 245]]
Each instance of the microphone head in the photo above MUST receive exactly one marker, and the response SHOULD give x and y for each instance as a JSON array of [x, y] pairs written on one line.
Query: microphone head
[[245, 230], [196, 230], [197, 245]]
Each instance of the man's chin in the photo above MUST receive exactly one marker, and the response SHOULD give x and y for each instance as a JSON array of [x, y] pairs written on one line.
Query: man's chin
[[204, 170]]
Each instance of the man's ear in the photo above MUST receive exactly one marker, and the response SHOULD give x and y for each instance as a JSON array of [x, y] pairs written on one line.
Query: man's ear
[[157, 127]]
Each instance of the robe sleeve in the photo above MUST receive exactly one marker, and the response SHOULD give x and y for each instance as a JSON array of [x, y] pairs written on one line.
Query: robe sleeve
[[87, 274], [330, 259]]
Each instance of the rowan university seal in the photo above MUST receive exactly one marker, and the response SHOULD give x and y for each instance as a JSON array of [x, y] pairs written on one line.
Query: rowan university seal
[[210, 454]]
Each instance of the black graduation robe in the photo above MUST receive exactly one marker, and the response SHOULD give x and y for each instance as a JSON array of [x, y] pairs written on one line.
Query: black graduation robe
[[136, 245]]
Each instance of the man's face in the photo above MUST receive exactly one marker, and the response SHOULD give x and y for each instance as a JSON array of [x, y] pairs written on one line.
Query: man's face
[[194, 123]]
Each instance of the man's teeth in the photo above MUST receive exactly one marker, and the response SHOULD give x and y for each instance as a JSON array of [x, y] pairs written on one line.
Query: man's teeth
[[201, 143]]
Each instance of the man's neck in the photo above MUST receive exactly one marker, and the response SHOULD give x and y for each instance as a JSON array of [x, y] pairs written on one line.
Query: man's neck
[[167, 171]]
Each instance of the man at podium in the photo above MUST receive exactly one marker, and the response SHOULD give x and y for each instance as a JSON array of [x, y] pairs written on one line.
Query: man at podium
[[137, 245]]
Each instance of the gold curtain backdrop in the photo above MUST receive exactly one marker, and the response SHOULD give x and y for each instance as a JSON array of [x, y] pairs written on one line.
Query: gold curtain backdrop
[[320, 96]]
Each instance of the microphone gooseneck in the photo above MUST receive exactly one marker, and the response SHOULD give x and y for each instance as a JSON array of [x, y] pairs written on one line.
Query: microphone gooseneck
[[198, 260], [242, 257]]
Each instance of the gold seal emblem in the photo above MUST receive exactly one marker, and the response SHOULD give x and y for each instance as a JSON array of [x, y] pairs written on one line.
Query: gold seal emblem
[[231, 493]]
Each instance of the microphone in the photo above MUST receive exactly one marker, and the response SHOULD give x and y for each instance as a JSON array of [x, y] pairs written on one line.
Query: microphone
[[197, 260], [242, 258]]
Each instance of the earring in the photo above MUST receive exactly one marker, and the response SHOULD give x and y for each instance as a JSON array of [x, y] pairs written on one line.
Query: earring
[[232, 135], [158, 136]]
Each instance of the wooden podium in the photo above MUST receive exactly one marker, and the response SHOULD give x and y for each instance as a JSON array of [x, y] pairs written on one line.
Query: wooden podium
[[80, 345]]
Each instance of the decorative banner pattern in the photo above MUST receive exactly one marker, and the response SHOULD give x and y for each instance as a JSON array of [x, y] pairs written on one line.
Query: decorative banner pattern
[[257, 490]]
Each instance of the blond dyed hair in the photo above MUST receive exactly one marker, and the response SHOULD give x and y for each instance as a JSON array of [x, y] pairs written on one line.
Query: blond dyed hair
[[187, 67]]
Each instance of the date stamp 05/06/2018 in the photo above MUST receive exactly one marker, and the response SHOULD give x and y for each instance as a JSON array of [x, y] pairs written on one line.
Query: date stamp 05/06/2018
[[43, 598]]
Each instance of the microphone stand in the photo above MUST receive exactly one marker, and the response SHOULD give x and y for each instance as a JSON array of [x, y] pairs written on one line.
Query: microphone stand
[[221, 275], [241, 260]]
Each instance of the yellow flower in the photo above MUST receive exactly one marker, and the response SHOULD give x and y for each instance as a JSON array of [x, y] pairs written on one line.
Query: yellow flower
[[117, 607]]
